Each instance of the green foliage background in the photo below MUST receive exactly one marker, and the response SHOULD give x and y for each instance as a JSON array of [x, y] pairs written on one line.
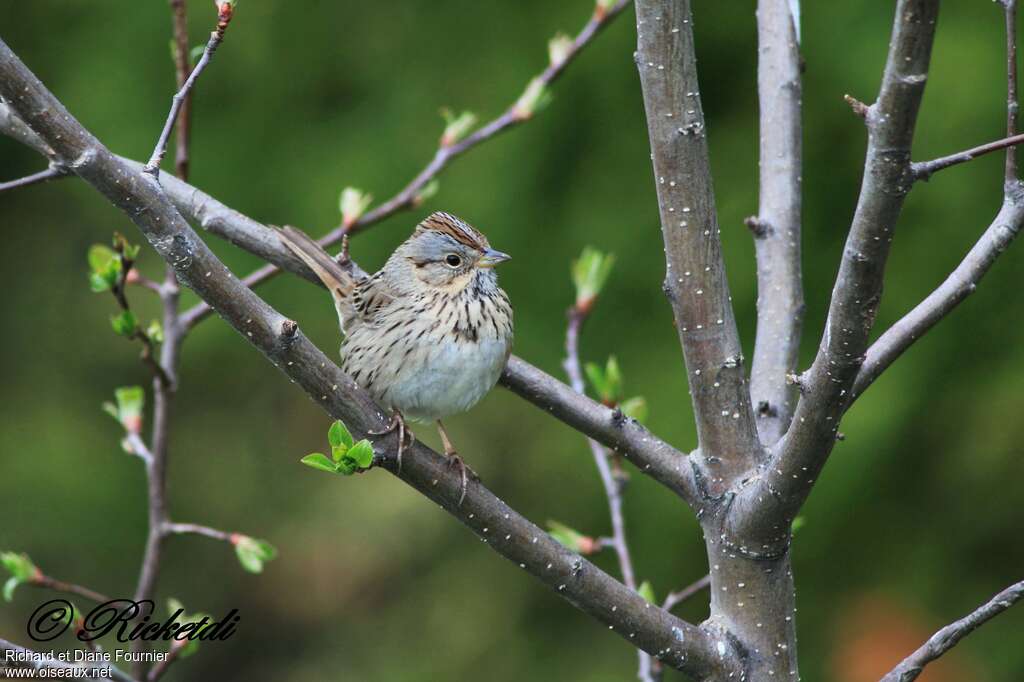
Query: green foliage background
[[919, 507]]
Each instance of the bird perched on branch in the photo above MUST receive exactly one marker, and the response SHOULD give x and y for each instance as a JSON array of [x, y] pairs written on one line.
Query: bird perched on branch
[[430, 333]]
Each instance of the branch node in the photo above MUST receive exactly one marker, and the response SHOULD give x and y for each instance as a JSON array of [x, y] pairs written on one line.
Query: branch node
[[758, 227], [859, 108]]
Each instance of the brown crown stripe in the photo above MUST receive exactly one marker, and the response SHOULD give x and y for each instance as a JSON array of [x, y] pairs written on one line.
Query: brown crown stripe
[[457, 229]]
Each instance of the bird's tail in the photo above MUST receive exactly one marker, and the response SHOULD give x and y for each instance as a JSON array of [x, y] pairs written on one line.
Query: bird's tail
[[338, 281]]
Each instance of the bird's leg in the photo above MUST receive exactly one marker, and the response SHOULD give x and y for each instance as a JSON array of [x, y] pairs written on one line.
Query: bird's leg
[[397, 423], [455, 461]]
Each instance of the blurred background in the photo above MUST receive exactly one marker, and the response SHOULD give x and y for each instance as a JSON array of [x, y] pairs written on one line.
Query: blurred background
[[915, 521]]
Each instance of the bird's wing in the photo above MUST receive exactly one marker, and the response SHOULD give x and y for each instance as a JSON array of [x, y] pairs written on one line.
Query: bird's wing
[[343, 283], [371, 299]]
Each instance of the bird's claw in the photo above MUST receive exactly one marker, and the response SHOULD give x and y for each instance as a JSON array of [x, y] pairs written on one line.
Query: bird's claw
[[397, 423], [465, 473]]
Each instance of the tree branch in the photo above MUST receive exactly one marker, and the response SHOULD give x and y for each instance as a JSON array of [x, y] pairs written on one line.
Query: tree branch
[[679, 644], [225, 10], [612, 486], [780, 299], [922, 170], [46, 582], [960, 284], [674, 599], [948, 637], [1012, 102], [964, 279], [695, 280], [778, 493], [51, 173], [195, 529], [445, 154]]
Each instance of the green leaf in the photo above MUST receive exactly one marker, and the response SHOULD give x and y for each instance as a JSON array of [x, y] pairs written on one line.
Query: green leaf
[[130, 401], [635, 408], [339, 435], [124, 324], [19, 566], [361, 453], [101, 257], [155, 331], [253, 553], [596, 376], [196, 52], [590, 272], [98, 283], [22, 570], [569, 538], [798, 523], [646, 590], [320, 461], [614, 376], [534, 98], [428, 191], [457, 126], [188, 646], [353, 203], [9, 588]]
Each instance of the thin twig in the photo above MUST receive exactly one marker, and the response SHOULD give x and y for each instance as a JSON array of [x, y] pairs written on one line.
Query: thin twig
[[445, 154], [948, 637], [49, 583], [225, 10], [612, 485], [923, 170], [1012, 102], [196, 529], [158, 670], [674, 599], [182, 69], [51, 173]]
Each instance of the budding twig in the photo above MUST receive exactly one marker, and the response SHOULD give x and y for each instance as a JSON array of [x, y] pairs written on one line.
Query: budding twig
[[225, 10]]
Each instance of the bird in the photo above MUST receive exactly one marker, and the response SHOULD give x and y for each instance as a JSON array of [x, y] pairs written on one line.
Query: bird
[[429, 334]]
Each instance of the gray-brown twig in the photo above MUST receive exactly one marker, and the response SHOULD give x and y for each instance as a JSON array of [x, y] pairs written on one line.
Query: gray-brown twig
[[577, 315], [225, 10], [51, 173], [948, 637]]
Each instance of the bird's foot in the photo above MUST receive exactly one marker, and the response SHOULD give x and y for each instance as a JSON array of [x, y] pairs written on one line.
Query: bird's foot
[[465, 473], [397, 423]]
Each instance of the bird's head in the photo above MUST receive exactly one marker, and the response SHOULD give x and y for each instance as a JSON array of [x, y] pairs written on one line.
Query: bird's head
[[449, 254]]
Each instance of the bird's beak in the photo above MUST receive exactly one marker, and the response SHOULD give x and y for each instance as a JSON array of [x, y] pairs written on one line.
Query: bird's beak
[[492, 258]]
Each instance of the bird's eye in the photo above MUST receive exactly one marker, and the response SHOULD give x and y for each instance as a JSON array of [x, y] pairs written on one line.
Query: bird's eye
[[453, 260]]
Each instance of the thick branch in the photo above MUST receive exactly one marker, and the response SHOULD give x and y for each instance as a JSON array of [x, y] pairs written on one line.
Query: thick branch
[[827, 386], [960, 284], [695, 279], [678, 643], [948, 637], [780, 299], [445, 154]]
